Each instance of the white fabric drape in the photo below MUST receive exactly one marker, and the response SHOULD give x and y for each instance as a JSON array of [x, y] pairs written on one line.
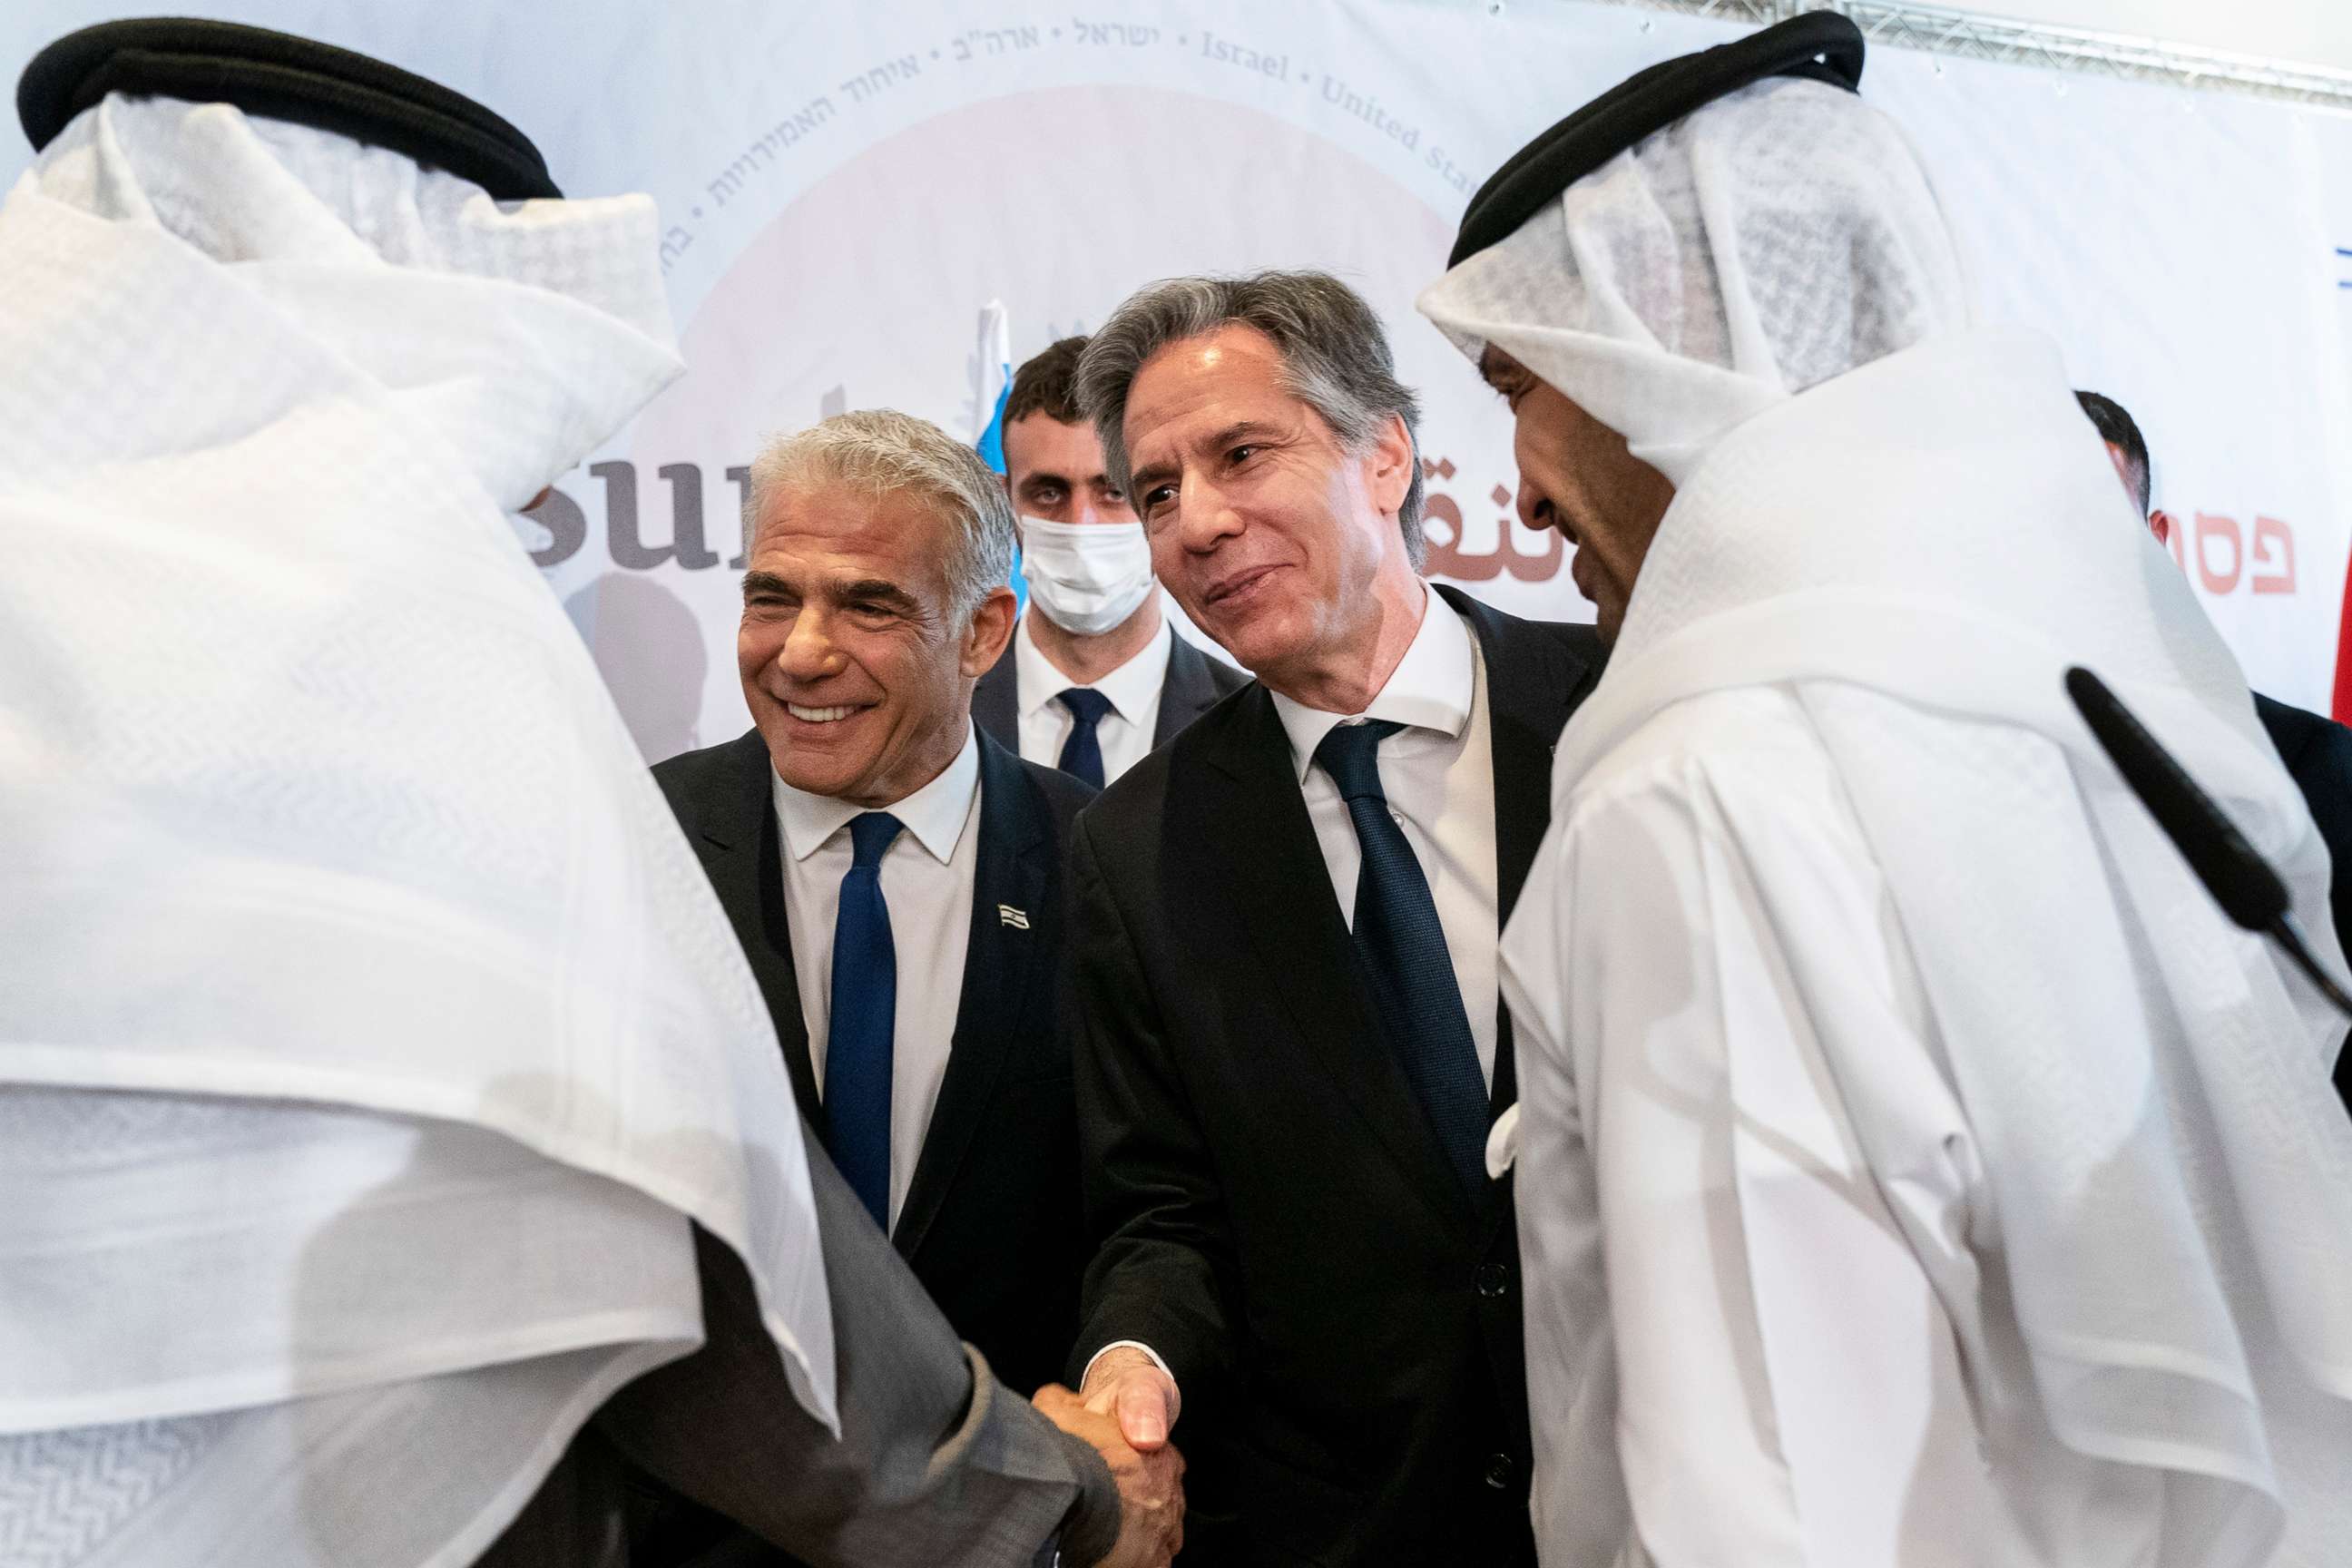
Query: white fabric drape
[[368, 1032]]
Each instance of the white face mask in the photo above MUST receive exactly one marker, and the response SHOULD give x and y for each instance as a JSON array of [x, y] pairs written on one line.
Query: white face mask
[[1085, 577]]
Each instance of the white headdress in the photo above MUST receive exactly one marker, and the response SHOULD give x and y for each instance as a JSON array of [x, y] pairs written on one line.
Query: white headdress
[[1780, 237]]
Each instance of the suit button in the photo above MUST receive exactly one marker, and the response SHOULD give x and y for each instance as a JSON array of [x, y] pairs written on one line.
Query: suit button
[[1493, 1280], [1498, 1471]]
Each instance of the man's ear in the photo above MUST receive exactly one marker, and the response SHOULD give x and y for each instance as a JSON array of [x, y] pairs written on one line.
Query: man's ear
[[1389, 465], [990, 629], [2160, 524]]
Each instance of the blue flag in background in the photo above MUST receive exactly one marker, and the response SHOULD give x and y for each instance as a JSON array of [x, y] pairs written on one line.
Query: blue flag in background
[[995, 382]]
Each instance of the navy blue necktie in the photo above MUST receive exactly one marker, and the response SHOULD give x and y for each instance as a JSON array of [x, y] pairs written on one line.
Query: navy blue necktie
[[1082, 752], [864, 1002], [1396, 932]]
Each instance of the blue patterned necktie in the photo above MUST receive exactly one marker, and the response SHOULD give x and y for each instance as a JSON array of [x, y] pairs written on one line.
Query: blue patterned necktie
[[1082, 752], [864, 1001], [1404, 946]]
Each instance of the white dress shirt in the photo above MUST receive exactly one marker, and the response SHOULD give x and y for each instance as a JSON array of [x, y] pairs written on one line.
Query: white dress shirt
[[926, 883], [1439, 775], [1133, 688]]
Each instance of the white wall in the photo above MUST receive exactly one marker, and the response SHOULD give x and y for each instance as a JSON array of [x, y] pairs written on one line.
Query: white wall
[[2305, 32]]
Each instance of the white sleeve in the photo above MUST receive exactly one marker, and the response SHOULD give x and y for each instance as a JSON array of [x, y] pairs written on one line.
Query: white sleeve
[[1788, 1382], [1124, 1344]]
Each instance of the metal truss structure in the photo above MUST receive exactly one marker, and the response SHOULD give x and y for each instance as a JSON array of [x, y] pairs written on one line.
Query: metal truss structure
[[1969, 35]]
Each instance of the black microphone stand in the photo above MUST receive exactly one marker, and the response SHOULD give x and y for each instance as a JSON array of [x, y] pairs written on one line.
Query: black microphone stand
[[2239, 879]]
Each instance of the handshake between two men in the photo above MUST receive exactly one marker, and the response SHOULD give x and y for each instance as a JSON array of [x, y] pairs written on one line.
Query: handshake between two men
[[1131, 1436]]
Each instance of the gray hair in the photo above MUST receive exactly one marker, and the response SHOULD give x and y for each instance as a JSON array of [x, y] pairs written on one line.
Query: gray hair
[[1335, 359], [885, 452]]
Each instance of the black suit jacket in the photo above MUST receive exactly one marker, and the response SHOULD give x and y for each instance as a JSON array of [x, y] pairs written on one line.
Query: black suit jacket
[[991, 1225], [1274, 1215], [2318, 756], [1194, 684]]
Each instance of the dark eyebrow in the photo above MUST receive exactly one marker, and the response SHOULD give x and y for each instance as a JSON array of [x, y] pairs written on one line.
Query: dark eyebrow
[[1031, 481], [869, 590], [1234, 433], [873, 590], [1140, 482]]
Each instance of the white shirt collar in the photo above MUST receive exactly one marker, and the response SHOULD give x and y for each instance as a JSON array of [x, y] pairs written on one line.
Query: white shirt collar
[[935, 815], [1129, 687], [1429, 688]]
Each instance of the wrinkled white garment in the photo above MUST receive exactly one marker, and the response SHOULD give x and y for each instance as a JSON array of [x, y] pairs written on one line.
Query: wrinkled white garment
[[310, 794], [1777, 237], [1916, 1168]]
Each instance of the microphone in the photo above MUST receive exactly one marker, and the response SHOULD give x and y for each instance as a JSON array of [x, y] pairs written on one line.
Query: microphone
[[2239, 879]]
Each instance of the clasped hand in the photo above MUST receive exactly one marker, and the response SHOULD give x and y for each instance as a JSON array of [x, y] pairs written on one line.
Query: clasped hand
[[1126, 1411]]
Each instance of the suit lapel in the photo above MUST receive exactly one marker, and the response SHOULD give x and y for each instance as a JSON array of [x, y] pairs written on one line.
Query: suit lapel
[[1001, 967], [740, 847], [1187, 691], [1251, 800]]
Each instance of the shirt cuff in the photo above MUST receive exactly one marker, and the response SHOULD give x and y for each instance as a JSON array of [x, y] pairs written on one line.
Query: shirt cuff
[[1125, 1345]]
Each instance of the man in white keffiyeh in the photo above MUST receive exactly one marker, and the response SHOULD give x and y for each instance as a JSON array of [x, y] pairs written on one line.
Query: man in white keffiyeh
[[382, 1087], [1915, 1168], [313, 795]]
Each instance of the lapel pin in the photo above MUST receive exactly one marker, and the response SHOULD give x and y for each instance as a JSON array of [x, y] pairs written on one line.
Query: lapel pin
[[1017, 919]]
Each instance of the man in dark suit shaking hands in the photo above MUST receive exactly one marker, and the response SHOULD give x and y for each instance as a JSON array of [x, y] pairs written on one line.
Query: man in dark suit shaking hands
[[896, 878], [1290, 1041]]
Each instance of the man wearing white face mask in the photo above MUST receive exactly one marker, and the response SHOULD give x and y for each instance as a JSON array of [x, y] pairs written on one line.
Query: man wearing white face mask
[[1095, 678]]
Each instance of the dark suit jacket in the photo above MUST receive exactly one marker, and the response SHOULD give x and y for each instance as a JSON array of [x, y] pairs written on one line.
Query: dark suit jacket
[[1194, 684], [2318, 756], [1275, 1216], [991, 1225]]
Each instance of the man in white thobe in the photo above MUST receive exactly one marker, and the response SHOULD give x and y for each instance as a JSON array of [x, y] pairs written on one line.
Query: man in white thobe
[[382, 1087], [1914, 1167]]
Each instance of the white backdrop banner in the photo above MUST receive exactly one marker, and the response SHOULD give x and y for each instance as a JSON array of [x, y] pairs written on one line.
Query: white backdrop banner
[[846, 187]]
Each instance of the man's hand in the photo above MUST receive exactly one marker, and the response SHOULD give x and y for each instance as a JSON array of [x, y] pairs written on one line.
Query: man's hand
[[1151, 1485], [1127, 1384]]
